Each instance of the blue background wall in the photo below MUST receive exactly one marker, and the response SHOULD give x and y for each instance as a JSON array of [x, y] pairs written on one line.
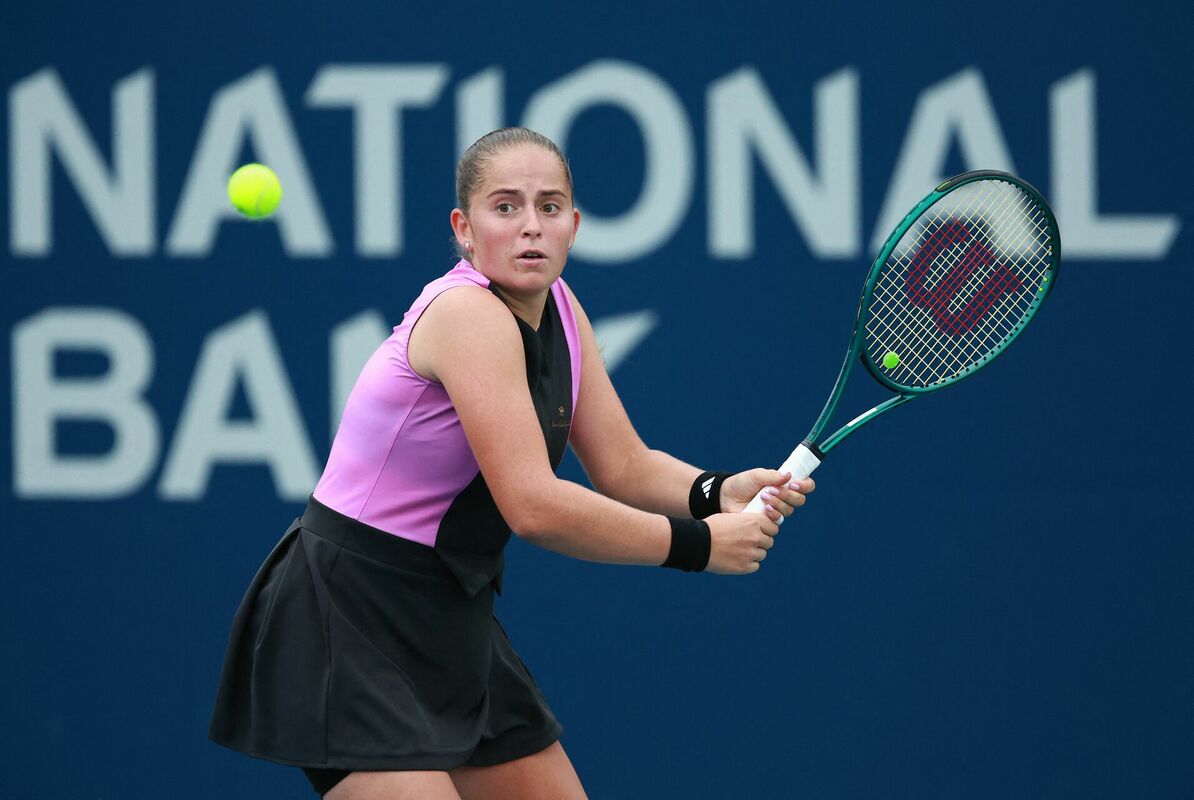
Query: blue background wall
[[991, 593]]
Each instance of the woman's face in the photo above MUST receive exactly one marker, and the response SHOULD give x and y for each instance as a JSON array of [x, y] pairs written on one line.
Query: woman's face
[[520, 221]]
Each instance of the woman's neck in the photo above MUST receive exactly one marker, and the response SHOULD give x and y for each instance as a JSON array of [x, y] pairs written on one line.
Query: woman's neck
[[528, 309]]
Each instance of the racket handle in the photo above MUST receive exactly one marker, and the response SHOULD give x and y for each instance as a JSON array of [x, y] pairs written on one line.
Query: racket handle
[[800, 463]]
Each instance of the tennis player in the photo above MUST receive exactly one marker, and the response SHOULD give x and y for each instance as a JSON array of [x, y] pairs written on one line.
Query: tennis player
[[365, 650]]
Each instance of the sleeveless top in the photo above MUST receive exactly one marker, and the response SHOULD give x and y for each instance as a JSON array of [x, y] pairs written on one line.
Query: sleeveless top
[[400, 461]]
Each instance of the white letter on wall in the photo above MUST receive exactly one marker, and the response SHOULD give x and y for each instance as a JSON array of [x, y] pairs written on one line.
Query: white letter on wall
[[42, 120], [1084, 232], [958, 107], [744, 122], [480, 106], [377, 96], [241, 352], [251, 108], [115, 398]]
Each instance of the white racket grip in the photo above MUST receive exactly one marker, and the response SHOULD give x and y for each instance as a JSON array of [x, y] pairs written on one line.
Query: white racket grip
[[800, 463]]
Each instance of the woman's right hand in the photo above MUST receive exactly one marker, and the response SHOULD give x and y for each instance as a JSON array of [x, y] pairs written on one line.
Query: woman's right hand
[[739, 542]]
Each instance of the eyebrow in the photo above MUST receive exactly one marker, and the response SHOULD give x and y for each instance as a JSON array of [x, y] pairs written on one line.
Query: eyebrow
[[547, 193]]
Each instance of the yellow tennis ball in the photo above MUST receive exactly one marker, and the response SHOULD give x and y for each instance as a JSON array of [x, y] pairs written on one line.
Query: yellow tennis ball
[[255, 191], [891, 360]]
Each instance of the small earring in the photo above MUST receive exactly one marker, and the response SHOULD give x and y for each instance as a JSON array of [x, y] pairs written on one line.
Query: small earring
[[468, 246]]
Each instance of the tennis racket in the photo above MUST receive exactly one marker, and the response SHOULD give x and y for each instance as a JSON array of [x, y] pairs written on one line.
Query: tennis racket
[[954, 285]]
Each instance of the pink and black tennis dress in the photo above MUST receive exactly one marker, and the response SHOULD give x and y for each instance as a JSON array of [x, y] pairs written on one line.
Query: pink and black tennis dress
[[367, 640]]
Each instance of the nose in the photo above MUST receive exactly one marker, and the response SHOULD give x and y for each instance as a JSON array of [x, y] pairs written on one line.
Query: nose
[[531, 228]]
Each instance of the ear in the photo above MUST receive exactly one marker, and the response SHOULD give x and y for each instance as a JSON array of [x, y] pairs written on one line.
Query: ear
[[461, 227], [575, 226]]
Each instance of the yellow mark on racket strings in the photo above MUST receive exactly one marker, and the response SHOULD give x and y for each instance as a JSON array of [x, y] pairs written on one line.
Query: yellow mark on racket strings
[[891, 360]]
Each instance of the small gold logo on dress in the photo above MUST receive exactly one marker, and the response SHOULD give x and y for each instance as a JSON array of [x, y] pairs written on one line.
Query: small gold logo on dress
[[561, 420]]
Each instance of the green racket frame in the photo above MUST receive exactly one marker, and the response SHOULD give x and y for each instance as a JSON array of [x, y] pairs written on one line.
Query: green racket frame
[[809, 454], [906, 393]]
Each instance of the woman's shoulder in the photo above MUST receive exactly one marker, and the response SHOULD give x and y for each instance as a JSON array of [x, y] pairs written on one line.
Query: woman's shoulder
[[462, 308], [468, 303], [461, 280], [462, 274], [462, 323]]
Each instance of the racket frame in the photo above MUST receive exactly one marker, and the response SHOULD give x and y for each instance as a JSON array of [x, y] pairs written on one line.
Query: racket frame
[[855, 350]]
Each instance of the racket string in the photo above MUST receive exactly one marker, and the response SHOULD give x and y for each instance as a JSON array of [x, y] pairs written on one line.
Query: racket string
[[991, 326], [949, 299], [937, 364]]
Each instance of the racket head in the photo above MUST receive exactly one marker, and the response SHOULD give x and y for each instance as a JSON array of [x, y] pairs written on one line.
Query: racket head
[[957, 282]]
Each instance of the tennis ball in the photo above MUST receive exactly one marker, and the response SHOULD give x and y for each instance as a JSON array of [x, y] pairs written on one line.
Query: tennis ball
[[255, 191], [891, 360]]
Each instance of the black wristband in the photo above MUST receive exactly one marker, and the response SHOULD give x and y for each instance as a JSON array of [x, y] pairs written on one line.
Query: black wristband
[[704, 498], [691, 543]]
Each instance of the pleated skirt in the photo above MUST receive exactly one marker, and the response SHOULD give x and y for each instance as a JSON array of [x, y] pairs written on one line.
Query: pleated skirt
[[356, 649]]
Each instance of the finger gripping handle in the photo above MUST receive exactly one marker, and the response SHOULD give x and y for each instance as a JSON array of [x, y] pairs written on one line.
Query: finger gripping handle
[[800, 463]]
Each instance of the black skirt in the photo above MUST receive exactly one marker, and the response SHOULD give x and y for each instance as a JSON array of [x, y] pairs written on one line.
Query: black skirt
[[355, 649]]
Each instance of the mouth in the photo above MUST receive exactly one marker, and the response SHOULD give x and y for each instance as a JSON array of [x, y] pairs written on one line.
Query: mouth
[[532, 256]]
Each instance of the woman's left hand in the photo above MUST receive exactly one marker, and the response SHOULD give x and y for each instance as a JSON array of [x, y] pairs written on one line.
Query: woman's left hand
[[781, 494]]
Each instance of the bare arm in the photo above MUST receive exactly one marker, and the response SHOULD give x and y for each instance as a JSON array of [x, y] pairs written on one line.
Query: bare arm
[[617, 461], [621, 466], [468, 341], [482, 367]]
